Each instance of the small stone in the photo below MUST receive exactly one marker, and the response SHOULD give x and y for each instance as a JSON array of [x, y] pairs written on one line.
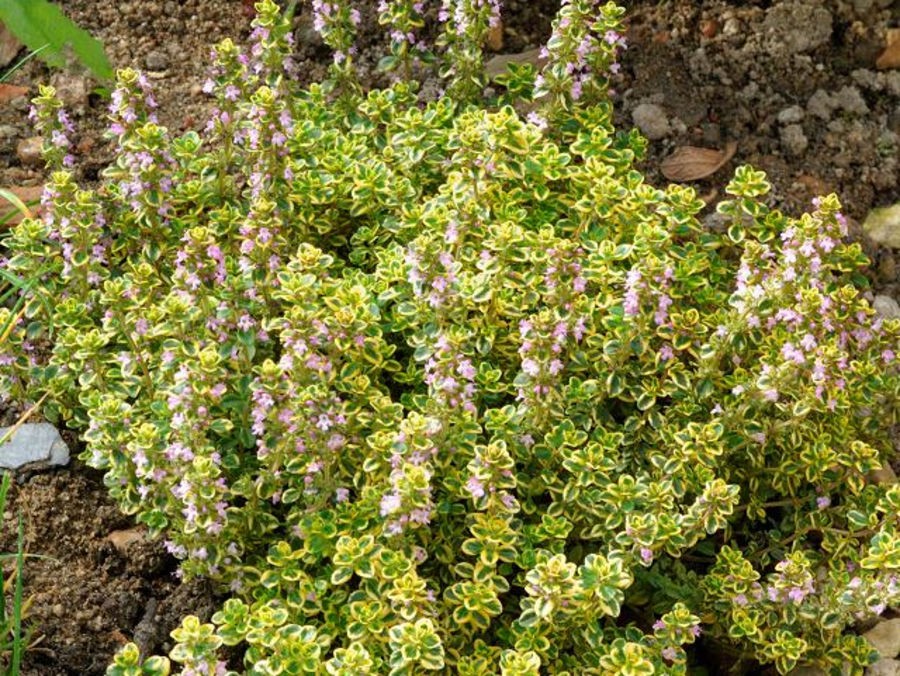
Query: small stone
[[794, 140], [21, 103], [8, 131], [28, 151], [156, 60], [791, 115], [651, 120], [709, 28], [33, 444], [121, 539], [782, 22], [850, 100], [885, 637], [883, 226], [820, 104], [884, 667], [886, 306], [196, 89], [732, 26], [72, 90]]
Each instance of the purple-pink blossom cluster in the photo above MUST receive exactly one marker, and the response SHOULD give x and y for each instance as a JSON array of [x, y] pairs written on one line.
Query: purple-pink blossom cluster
[[336, 21], [787, 293], [450, 376], [491, 477], [544, 340], [404, 17], [57, 129], [433, 277], [145, 162], [467, 13], [200, 261], [638, 290], [582, 48], [563, 274], [408, 502]]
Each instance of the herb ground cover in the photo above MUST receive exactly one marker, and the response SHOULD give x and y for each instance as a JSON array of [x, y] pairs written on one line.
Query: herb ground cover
[[430, 326]]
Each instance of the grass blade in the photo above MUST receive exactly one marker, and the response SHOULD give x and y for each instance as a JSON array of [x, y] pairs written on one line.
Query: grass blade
[[14, 199]]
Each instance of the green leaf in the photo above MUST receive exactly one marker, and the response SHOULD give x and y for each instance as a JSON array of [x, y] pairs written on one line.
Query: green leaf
[[38, 23]]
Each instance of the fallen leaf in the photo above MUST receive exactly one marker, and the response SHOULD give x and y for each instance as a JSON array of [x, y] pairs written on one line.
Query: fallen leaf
[[497, 65], [26, 194], [890, 57], [690, 163], [9, 92], [122, 538]]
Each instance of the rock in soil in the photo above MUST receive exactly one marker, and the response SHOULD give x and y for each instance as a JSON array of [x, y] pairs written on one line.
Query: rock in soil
[[35, 445], [883, 226], [884, 667], [885, 637]]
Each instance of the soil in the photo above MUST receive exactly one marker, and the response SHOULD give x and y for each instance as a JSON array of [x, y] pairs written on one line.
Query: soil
[[792, 82]]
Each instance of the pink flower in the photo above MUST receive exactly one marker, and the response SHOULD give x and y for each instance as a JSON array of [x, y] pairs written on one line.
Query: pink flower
[[390, 503], [475, 487]]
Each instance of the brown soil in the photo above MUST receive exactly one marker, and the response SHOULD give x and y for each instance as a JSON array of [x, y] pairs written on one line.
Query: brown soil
[[718, 71]]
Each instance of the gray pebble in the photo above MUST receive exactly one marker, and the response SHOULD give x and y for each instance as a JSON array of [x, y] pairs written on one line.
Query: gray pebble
[[885, 637], [850, 100], [794, 140], [791, 115], [651, 120], [820, 104], [887, 307], [33, 444], [73, 90], [884, 667], [797, 27], [156, 60], [732, 26], [28, 150]]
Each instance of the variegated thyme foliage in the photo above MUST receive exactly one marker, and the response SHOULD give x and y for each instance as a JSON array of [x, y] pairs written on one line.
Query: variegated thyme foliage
[[446, 386]]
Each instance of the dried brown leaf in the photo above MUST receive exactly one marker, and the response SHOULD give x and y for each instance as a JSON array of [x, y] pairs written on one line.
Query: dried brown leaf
[[890, 57], [690, 163], [9, 92]]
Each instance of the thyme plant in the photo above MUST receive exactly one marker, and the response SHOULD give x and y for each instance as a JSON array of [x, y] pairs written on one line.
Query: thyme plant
[[447, 386]]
